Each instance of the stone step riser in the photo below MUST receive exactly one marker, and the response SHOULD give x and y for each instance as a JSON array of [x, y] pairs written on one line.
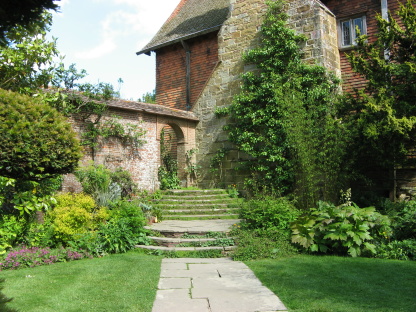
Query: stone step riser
[[197, 208], [174, 242], [225, 250], [194, 192], [214, 196], [201, 211], [200, 217], [195, 202]]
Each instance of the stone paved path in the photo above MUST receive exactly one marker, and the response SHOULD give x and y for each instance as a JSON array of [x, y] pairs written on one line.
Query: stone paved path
[[212, 285]]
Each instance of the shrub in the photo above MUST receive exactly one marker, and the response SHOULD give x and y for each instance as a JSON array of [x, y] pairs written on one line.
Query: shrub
[[124, 180], [122, 232], [261, 243], [131, 211], [36, 141], [269, 213], [94, 179], [11, 229], [340, 229], [403, 218], [118, 236], [73, 214], [105, 185], [399, 250]]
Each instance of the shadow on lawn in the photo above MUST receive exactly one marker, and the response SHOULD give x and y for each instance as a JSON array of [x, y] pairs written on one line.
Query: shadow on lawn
[[4, 300], [359, 284]]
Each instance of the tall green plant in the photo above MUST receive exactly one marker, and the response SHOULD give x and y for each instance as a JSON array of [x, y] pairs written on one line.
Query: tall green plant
[[384, 118], [284, 116]]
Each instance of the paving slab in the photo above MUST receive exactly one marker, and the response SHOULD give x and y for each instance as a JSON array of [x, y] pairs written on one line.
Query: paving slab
[[212, 285], [194, 226]]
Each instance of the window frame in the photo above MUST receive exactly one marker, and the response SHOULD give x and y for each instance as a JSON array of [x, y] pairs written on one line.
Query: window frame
[[352, 31]]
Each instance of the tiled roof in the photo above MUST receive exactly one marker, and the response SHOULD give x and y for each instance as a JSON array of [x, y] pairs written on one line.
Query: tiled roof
[[138, 107], [191, 18], [151, 109]]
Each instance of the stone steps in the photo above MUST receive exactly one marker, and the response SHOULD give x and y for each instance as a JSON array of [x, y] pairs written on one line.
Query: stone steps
[[200, 214], [200, 217], [197, 204]]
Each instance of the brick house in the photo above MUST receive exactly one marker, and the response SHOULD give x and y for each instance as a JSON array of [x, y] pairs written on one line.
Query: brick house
[[198, 58]]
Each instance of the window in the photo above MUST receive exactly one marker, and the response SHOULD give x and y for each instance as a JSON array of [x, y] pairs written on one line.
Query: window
[[350, 29]]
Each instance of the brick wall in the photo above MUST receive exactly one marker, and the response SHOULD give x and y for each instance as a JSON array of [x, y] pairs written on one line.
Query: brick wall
[[142, 163], [171, 70], [346, 8]]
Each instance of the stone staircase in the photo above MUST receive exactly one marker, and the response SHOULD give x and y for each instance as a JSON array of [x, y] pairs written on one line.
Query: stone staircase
[[194, 220]]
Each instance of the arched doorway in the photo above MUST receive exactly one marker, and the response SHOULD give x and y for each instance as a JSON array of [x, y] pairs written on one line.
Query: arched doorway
[[172, 172]]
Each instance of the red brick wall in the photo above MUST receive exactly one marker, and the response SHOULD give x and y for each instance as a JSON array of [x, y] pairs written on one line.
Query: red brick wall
[[346, 8], [142, 163], [171, 70]]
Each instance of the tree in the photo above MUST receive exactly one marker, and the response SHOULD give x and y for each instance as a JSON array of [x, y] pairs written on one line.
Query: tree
[[24, 13], [284, 116], [36, 142], [26, 62], [149, 97], [383, 121]]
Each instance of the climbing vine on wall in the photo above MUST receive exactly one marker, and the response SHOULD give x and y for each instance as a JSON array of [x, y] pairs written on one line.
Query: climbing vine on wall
[[168, 170], [284, 117], [88, 103]]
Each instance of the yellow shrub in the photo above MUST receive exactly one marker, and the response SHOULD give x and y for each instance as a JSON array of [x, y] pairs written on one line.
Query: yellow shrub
[[73, 214]]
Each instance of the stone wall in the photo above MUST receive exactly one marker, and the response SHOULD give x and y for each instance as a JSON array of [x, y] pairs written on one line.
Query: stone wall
[[239, 34]]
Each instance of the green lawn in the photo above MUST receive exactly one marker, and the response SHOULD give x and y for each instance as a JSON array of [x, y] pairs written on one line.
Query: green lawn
[[330, 284], [124, 282]]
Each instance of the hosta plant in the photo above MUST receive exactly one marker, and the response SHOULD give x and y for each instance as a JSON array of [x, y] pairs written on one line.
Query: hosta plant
[[340, 229]]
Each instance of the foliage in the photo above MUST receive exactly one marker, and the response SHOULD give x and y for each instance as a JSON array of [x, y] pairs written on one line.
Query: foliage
[[11, 229], [120, 233], [118, 236], [75, 214], [261, 243], [36, 140], [233, 191], [403, 218], [131, 211], [168, 171], [24, 257], [124, 179], [148, 97], [26, 197], [340, 229], [192, 169], [89, 103], [384, 111], [26, 61], [269, 213], [283, 119], [265, 229], [24, 14], [105, 185], [398, 250]]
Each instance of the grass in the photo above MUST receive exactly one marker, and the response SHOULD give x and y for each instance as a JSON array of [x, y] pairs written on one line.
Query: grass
[[124, 282], [331, 284]]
